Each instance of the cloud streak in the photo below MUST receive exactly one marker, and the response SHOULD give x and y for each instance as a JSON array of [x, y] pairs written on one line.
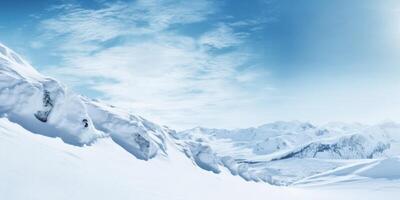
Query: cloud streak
[[133, 54]]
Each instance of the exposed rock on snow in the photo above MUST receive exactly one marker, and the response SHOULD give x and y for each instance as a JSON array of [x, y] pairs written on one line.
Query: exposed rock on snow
[[48, 103]]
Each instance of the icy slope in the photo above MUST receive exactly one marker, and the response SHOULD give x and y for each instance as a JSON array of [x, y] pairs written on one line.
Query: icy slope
[[44, 106], [36, 167]]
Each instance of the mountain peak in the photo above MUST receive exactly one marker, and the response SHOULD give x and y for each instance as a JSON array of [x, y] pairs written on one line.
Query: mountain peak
[[12, 63]]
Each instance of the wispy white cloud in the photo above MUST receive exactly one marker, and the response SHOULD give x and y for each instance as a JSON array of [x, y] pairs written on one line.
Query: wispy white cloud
[[221, 37], [155, 71], [112, 20]]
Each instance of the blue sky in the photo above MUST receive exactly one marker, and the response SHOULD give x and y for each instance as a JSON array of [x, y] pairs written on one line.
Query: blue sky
[[219, 63]]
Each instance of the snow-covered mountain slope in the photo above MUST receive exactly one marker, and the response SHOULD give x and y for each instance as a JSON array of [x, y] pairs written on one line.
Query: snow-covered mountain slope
[[54, 143], [285, 152], [44, 106], [36, 167]]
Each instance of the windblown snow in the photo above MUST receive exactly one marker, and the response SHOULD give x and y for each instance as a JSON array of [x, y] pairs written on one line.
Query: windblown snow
[[55, 144]]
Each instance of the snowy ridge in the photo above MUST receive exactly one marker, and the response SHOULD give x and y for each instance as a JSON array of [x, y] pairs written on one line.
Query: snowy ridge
[[346, 147], [138, 136], [44, 106]]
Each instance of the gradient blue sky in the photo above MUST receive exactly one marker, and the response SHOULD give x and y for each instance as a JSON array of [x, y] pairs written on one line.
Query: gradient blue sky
[[219, 63]]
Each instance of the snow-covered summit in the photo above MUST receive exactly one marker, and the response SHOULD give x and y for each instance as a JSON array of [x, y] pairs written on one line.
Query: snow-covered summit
[[14, 64]]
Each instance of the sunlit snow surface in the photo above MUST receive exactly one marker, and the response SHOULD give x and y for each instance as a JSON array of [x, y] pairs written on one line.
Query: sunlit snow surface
[[55, 144], [39, 167]]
